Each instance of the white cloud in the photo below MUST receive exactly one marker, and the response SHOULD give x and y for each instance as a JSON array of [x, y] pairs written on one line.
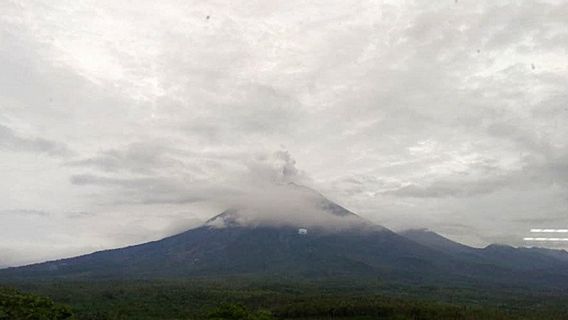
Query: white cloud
[[441, 114]]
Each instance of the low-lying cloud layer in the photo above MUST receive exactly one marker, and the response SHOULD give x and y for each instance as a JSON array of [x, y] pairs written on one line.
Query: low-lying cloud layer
[[122, 122]]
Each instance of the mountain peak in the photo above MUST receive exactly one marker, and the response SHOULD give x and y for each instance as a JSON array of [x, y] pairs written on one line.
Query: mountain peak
[[291, 205]]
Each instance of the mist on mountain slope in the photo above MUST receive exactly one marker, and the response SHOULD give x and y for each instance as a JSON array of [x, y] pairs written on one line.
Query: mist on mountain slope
[[273, 192], [287, 205]]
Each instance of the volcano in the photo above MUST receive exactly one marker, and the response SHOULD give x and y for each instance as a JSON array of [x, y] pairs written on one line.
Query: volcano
[[323, 241]]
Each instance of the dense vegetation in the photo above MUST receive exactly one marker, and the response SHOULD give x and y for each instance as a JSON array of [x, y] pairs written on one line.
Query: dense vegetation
[[15, 305], [259, 299]]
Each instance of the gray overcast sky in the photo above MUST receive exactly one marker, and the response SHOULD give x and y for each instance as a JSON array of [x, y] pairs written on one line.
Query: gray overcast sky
[[124, 121]]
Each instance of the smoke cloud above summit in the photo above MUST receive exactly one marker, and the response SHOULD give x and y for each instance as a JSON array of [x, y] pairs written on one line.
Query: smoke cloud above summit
[[123, 122]]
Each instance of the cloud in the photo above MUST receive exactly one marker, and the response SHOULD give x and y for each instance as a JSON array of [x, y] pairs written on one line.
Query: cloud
[[11, 141], [286, 204], [156, 178], [410, 114], [142, 190], [278, 167], [264, 189], [25, 212], [442, 189]]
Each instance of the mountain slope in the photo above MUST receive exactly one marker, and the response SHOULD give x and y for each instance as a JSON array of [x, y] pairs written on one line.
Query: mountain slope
[[521, 259], [435, 241], [338, 243], [234, 243], [249, 250]]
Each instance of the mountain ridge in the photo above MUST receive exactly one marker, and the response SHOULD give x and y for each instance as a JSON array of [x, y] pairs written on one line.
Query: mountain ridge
[[521, 258], [230, 245]]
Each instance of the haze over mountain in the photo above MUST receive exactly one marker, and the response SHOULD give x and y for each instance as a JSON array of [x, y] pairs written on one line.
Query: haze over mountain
[[289, 205], [318, 241]]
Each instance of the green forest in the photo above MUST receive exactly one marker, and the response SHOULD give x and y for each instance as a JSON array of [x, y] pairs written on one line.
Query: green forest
[[262, 299]]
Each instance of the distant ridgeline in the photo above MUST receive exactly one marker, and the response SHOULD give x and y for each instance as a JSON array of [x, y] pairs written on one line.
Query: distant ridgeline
[[324, 241]]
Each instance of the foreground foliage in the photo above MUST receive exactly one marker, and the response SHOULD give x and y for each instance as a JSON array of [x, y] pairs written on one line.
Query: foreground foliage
[[234, 311], [261, 299], [15, 305]]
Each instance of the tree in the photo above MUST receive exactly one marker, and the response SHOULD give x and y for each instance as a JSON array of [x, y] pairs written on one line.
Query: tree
[[15, 305], [231, 311]]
